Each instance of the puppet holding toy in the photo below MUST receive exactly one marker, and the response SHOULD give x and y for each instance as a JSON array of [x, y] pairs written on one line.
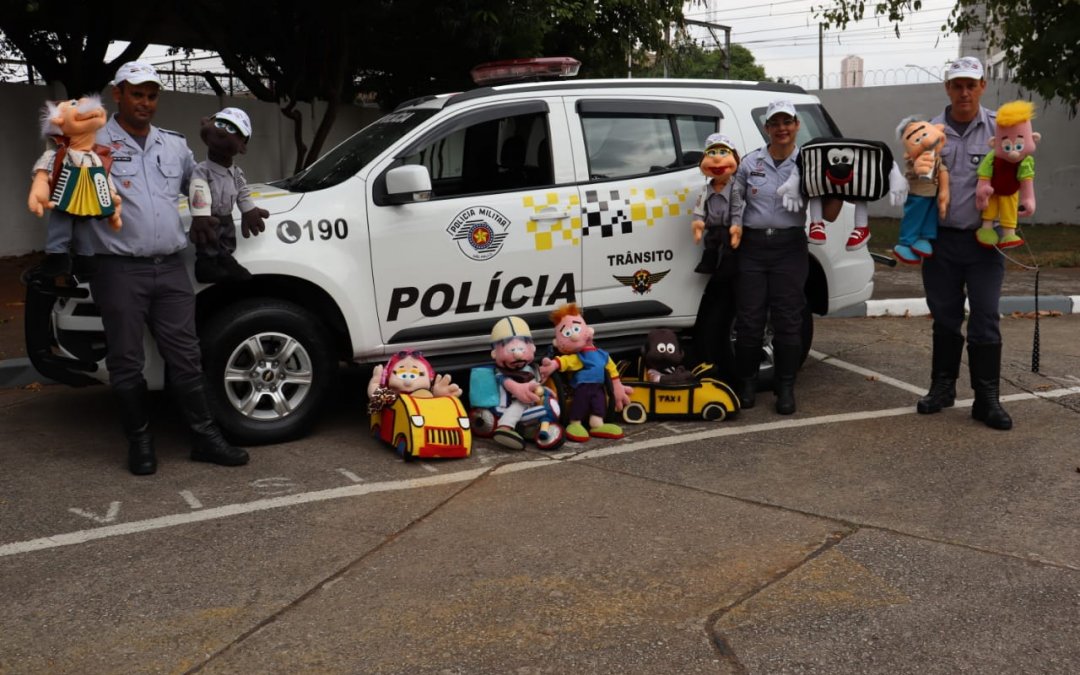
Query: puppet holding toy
[[1007, 175], [712, 212], [854, 170], [928, 188], [217, 185], [513, 388], [588, 366], [407, 372], [73, 180]]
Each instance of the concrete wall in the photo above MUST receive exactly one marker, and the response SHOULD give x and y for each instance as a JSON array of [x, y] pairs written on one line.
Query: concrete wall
[[870, 112], [874, 113], [271, 153]]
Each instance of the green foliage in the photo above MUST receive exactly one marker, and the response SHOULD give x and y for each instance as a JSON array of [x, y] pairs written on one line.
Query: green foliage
[[1040, 38], [689, 60]]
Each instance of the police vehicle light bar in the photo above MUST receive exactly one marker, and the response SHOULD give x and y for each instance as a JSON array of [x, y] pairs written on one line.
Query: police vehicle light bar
[[523, 70]]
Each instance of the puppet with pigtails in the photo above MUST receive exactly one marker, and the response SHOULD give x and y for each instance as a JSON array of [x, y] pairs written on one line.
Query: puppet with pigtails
[[407, 372]]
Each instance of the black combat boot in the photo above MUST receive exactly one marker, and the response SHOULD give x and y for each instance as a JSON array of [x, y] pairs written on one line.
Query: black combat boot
[[209, 444], [141, 458], [747, 365], [944, 369], [786, 361], [984, 363]]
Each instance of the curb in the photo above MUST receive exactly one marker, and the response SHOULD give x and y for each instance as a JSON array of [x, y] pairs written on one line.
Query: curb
[[1066, 304], [20, 372]]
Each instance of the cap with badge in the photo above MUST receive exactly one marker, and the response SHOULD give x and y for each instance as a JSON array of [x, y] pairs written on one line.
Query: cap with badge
[[136, 72], [238, 118], [967, 66], [780, 106], [719, 139]]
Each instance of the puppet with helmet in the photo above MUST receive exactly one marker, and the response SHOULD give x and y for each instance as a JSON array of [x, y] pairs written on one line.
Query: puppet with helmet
[[522, 398], [1007, 175], [72, 181], [589, 368], [712, 211], [217, 185]]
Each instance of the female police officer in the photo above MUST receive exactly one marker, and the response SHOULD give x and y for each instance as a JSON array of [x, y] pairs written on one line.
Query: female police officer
[[774, 260]]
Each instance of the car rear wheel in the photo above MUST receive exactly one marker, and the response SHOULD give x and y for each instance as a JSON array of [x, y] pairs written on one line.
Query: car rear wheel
[[714, 412], [270, 366]]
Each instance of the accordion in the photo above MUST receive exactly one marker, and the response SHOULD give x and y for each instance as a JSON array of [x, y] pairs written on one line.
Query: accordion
[[83, 191], [853, 169]]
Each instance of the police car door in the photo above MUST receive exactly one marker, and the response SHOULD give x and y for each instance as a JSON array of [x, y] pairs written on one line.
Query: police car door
[[639, 170], [486, 244]]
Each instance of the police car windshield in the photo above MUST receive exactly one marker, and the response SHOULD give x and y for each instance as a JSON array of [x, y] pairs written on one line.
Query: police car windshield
[[347, 159]]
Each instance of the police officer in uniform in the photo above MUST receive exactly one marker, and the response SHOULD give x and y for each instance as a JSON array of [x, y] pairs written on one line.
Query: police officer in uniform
[[140, 280], [960, 268], [774, 260]]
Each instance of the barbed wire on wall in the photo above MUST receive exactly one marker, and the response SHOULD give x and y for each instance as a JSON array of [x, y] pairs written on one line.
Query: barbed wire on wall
[[880, 77]]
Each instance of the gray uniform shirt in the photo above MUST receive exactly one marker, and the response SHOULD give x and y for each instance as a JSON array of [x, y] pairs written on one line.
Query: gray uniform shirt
[[757, 180], [962, 155], [715, 208], [150, 181], [228, 186]]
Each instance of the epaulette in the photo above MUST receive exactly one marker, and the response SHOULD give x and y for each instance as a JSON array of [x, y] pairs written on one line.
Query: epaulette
[[172, 133]]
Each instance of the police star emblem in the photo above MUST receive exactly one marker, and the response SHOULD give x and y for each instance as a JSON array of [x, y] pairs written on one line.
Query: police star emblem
[[641, 282]]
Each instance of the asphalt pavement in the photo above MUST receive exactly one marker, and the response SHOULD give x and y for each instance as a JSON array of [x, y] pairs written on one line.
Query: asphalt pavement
[[852, 537]]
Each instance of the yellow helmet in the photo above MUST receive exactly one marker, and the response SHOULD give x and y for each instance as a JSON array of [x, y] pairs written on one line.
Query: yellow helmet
[[510, 327]]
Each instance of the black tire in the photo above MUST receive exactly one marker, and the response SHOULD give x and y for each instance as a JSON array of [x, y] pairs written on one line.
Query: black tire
[[634, 413], [714, 412], [255, 397]]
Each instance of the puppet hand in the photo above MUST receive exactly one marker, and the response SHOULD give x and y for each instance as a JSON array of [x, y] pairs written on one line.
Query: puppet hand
[[790, 193], [376, 378], [735, 231], [983, 191], [251, 223], [522, 391], [698, 228], [1027, 206], [203, 230], [444, 387], [547, 367], [622, 394], [924, 164], [898, 186]]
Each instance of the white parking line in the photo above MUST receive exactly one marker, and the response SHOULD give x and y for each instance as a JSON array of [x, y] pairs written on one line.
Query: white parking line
[[870, 374], [122, 529]]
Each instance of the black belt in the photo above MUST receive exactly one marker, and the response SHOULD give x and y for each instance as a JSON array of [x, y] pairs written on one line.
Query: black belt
[[773, 232], [142, 259]]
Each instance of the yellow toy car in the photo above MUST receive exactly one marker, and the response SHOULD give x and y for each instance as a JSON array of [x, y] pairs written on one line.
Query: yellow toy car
[[707, 398], [424, 427]]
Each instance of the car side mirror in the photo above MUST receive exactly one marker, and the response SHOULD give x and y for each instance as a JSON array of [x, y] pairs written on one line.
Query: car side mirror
[[407, 184]]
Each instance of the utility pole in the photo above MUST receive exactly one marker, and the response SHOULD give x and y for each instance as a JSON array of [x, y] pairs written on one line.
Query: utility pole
[[821, 56], [713, 27]]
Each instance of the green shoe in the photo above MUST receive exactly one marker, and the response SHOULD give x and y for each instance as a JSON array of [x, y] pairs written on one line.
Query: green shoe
[[576, 432], [606, 431], [1010, 240], [987, 237]]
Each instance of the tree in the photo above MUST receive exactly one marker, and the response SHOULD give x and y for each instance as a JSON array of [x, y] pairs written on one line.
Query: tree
[[67, 42], [689, 60], [1039, 38]]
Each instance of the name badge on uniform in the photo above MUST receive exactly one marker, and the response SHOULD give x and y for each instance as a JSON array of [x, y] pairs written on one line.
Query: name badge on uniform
[[760, 174], [121, 158]]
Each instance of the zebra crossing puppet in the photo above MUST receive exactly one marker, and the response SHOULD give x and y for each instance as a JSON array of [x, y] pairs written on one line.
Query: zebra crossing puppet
[[858, 171]]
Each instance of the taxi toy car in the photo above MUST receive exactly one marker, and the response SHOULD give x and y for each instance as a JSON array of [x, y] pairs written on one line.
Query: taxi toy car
[[424, 427]]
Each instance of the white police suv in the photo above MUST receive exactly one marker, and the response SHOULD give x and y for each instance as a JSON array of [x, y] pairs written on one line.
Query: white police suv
[[425, 227]]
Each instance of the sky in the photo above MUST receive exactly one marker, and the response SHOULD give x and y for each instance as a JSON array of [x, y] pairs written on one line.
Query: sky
[[783, 36]]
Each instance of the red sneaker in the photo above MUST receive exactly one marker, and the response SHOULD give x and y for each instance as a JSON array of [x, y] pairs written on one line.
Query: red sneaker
[[817, 233], [859, 237]]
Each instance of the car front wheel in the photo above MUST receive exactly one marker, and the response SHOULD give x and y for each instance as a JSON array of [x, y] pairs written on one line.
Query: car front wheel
[[270, 366]]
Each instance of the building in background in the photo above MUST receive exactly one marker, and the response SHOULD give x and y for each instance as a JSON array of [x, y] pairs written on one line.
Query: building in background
[[851, 72]]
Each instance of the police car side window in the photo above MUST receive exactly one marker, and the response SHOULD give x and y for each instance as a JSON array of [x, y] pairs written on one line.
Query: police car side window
[[631, 144], [493, 155]]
